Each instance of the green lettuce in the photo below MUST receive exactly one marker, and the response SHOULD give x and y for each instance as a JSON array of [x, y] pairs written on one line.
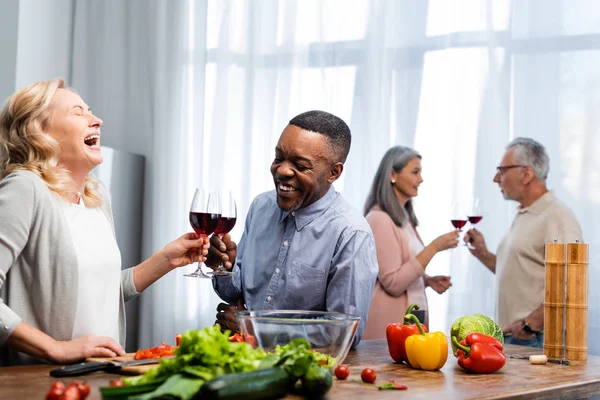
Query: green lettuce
[[204, 354], [480, 323]]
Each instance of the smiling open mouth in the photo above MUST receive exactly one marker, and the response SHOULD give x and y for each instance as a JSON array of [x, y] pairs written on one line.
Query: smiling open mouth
[[286, 188], [92, 140]]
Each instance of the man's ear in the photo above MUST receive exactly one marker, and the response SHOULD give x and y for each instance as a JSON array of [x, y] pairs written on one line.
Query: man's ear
[[335, 172], [529, 175]]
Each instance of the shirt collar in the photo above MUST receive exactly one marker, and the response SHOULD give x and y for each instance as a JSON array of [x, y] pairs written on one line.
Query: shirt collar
[[539, 205], [306, 215]]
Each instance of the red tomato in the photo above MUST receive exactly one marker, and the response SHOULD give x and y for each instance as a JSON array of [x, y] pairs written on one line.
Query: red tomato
[[55, 391], [71, 393], [58, 385], [178, 339], [342, 372], [368, 375], [83, 387], [236, 338], [116, 382], [53, 394], [251, 340]]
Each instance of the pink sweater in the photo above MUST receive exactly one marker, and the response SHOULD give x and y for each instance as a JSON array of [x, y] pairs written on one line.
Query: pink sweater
[[398, 272]]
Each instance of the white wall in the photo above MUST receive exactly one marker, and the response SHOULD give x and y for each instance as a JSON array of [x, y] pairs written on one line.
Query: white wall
[[9, 16], [43, 40]]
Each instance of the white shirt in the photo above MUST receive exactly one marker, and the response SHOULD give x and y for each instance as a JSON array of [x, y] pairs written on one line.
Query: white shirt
[[416, 290], [99, 271]]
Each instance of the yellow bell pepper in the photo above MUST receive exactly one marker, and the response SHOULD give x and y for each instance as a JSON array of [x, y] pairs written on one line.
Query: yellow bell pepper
[[426, 351]]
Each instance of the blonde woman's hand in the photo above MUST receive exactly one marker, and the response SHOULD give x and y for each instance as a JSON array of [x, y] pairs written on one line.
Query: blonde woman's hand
[[187, 249], [446, 241], [68, 352]]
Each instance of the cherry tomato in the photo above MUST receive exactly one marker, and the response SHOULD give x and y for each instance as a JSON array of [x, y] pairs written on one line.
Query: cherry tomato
[[178, 339], [55, 391], [116, 382], [53, 394], [83, 387], [58, 385], [342, 372], [236, 338], [71, 393], [251, 340], [368, 375]]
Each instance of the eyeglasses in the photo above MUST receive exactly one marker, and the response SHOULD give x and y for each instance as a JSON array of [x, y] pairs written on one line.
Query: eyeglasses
[[503, 168]]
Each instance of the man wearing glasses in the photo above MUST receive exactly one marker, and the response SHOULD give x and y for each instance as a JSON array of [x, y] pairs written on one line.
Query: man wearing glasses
[[519, 262]]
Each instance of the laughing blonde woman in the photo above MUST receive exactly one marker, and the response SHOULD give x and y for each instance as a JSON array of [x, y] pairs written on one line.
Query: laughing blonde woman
[[63, 290]]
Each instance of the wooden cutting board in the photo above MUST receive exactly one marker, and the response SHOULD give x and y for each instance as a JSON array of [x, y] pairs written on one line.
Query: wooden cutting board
[[129, 370]]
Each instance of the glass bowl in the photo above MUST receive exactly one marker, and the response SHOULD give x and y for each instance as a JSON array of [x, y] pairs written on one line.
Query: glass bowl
[[329, 333]]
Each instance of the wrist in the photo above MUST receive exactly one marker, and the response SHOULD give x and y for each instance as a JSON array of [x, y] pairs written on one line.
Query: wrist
[[426, 280], [162, 260], [52, 351], [527, 327], [433, 245], [487, 257]]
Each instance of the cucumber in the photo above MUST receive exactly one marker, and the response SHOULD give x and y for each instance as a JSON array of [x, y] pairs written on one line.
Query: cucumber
[[316, 382], [270, 383]]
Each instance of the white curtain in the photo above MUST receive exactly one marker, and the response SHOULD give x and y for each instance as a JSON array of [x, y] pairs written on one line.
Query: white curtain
[[204, 88]]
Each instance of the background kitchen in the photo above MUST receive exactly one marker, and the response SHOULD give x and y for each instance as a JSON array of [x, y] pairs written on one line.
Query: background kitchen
[[194, 93]]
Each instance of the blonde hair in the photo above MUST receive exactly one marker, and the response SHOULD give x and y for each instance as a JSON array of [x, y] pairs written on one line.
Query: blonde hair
[[25, 146]]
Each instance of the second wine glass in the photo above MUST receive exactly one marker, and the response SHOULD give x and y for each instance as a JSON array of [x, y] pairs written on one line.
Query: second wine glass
[[226, 222], [476, 215]]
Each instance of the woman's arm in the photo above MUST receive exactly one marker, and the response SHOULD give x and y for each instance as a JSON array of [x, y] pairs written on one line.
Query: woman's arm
[[17, 198], [27, 339], [185, 250], [18, 203]]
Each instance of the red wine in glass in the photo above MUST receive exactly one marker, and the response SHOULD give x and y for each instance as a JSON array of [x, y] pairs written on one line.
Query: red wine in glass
[[204, 223], [225, 225], [458, 223], [205, 212], [473, 219]]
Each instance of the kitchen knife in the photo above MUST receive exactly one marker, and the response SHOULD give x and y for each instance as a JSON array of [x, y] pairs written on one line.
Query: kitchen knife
[[88, 367]]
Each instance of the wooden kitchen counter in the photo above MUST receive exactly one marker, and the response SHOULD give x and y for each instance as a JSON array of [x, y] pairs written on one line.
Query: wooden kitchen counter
[[518, 379]]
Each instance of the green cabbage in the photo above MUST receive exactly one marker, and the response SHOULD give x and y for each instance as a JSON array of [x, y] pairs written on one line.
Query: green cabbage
[[475, 323]]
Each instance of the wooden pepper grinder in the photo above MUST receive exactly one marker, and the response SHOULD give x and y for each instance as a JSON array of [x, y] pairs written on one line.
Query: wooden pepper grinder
[[577, 301], [554, 302]]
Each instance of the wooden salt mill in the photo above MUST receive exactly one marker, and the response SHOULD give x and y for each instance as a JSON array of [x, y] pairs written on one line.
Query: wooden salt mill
[[554, 301], [577, 301]]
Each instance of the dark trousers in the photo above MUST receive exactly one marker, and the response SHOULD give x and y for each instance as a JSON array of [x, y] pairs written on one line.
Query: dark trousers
[[536, 341]]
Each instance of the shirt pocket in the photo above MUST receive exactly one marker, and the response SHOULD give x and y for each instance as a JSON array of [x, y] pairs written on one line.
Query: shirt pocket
[[305, 287]]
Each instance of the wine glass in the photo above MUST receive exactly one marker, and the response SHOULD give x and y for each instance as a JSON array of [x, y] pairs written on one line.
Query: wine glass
[[226, 222], [205, 212], [476, 215], [458, 219]]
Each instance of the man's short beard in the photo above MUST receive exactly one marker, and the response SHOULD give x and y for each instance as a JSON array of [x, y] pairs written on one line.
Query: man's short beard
[[294, 207]]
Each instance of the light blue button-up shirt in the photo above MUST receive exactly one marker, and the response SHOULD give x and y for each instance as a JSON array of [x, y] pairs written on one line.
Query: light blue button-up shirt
[[321, 257]]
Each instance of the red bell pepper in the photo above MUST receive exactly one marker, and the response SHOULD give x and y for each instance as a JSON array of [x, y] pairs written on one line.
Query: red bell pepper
[[480, 353], [397, 333]]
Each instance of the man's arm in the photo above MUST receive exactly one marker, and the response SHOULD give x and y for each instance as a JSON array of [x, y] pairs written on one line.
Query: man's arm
[[352, 278], [535, 320], [527, 328], [479, 249]]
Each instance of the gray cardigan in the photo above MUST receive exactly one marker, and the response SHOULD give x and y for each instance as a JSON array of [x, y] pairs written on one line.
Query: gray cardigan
[[38, 264]]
